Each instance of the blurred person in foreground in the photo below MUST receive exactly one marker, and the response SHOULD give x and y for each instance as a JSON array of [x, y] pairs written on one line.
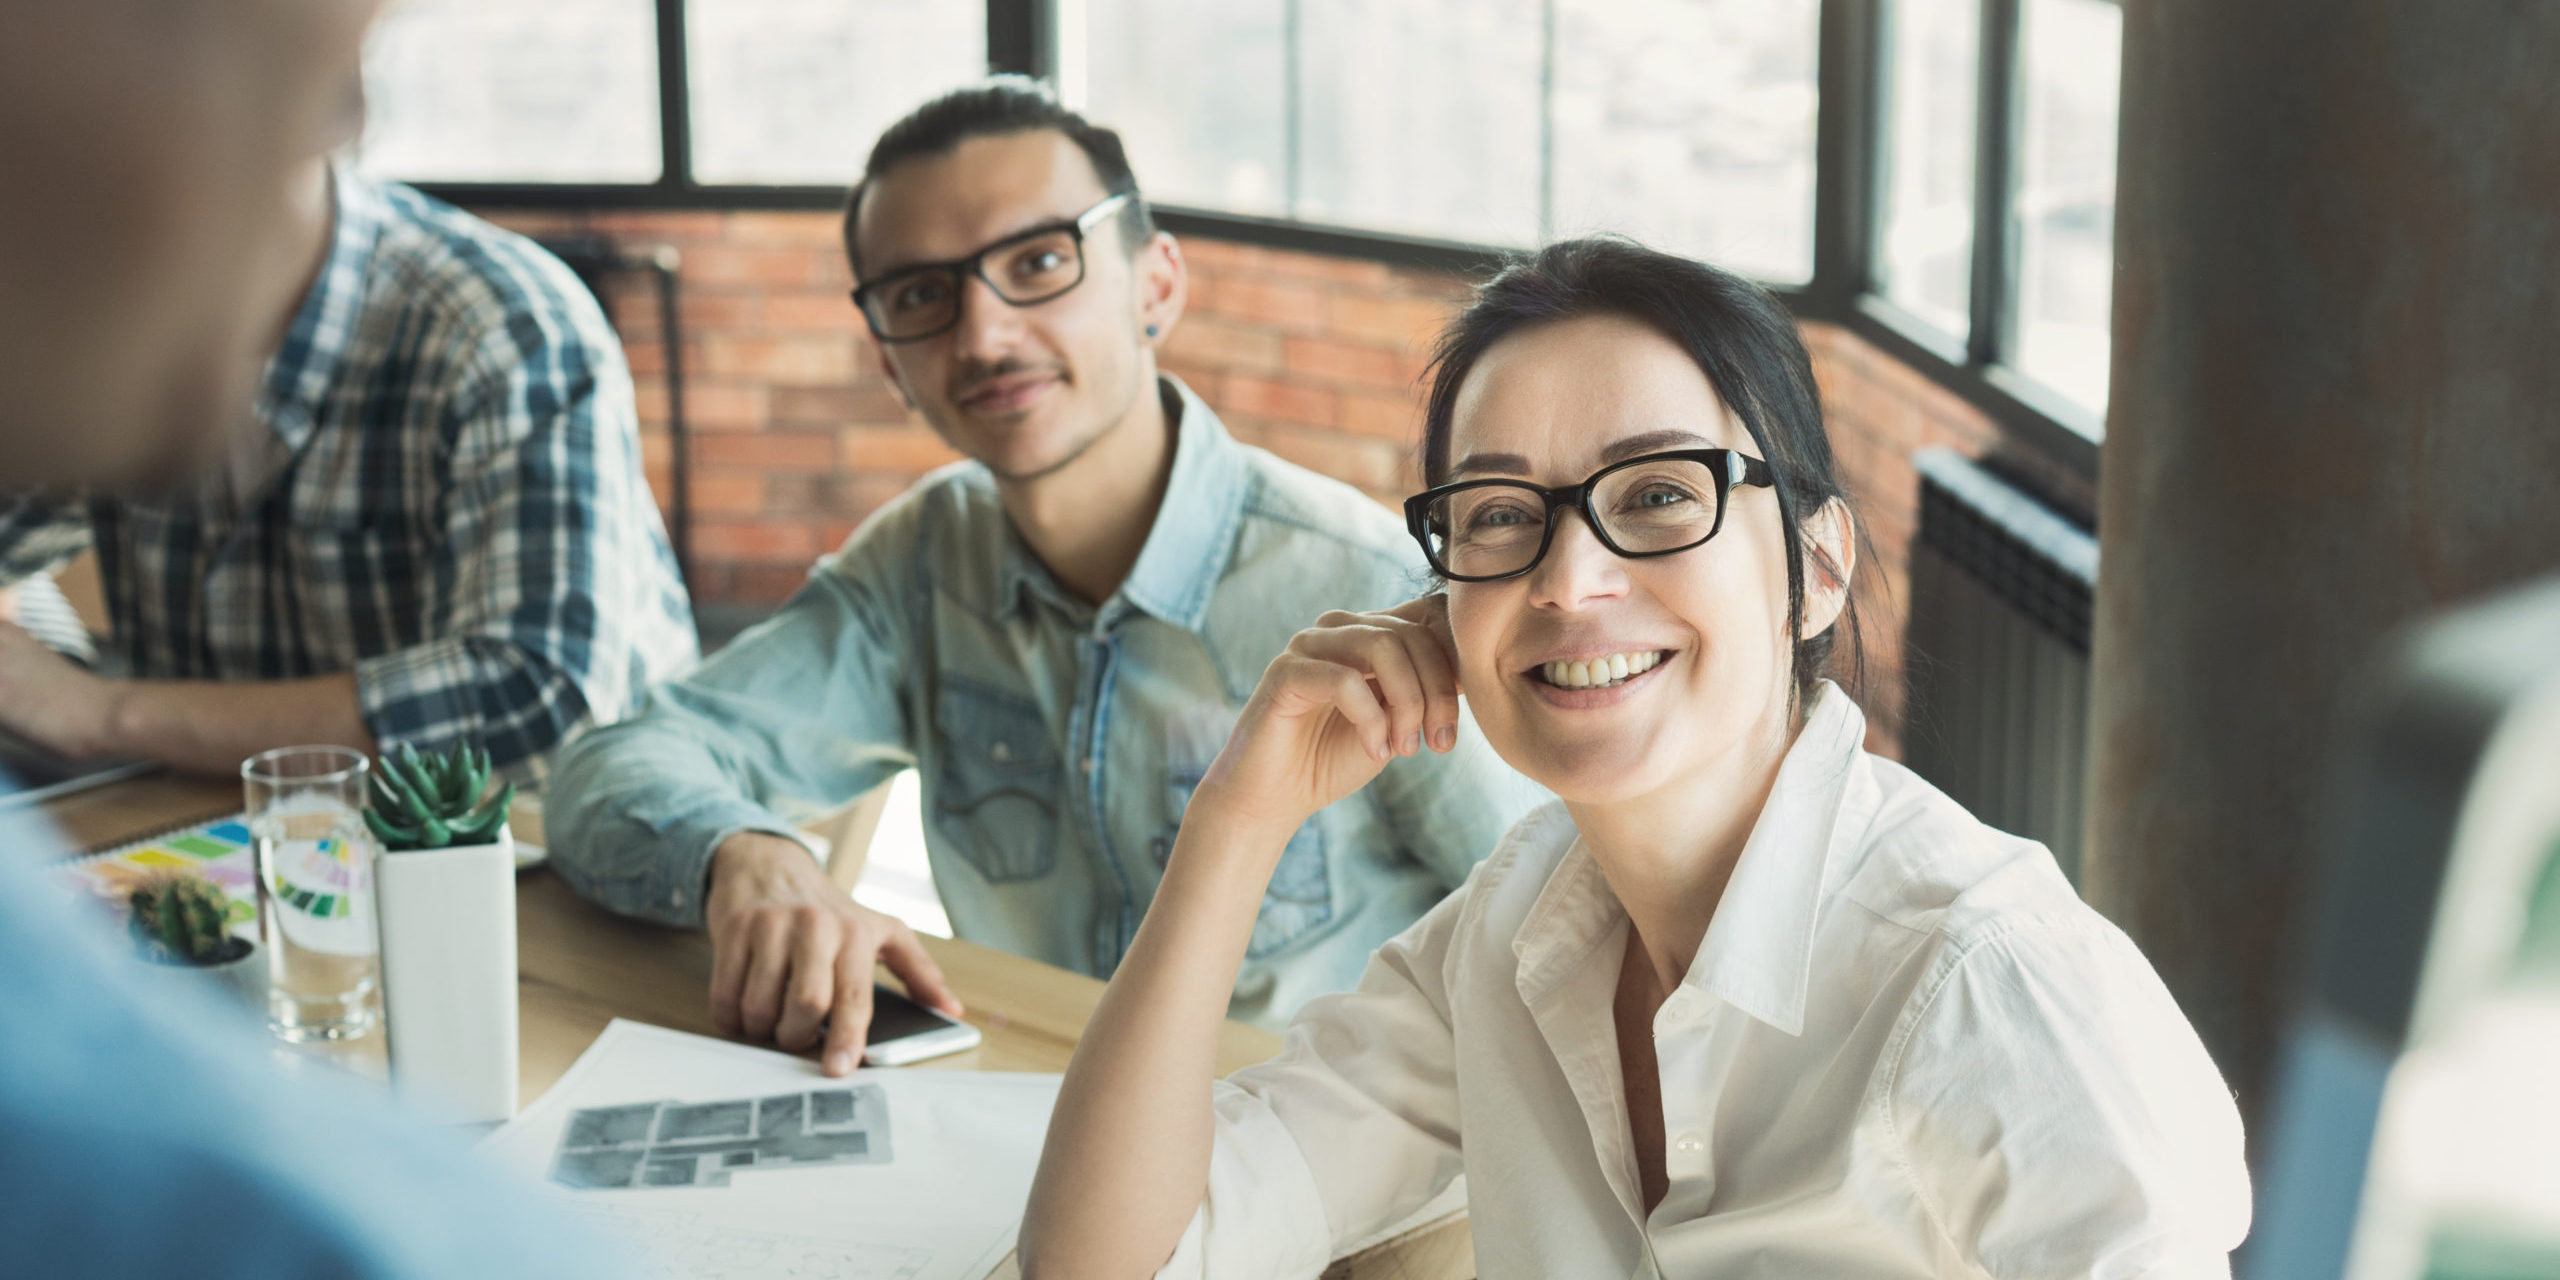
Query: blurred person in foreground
[[1057, 633], [441, 534], [149, 146]]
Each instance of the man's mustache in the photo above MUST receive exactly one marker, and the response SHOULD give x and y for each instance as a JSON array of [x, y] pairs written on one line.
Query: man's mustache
[[966, 381]]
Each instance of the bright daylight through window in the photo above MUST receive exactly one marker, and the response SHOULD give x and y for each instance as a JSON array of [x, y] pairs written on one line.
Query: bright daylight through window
[[503, 91], [1689, 124], [1932, 83], [2067, 194]]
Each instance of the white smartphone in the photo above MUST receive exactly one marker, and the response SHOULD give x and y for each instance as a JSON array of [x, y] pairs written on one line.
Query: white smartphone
[[903, 1031]]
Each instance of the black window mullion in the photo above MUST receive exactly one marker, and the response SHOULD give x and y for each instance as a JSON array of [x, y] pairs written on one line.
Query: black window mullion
[[1848, 153], [1995, 236], [675, 102], [1021, 37]]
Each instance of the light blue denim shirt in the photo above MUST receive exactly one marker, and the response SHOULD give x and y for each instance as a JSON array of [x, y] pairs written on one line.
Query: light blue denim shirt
[[1057, 742]]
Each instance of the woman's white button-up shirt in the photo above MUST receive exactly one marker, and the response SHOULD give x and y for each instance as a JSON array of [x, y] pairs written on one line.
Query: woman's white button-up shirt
[[1906, 1048]]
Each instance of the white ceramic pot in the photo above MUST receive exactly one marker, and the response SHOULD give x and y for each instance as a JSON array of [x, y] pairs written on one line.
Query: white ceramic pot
[[448, 921]]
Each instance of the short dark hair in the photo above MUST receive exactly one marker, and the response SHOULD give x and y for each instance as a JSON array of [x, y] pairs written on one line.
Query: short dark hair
[[1739, 335], [993, 107]]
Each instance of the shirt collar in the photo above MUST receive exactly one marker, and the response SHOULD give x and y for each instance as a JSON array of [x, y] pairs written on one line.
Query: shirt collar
[[298, 374], [1758, 952], [1187, 549]]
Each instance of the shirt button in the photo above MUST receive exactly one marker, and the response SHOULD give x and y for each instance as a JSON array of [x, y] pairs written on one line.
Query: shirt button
[[1087, 766], [1682, 1006], [1689, 1144], [676, 899], [1001, 752]]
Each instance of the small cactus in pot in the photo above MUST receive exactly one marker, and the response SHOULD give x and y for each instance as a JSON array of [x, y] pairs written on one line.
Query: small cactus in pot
[[435, 800], [181, 918]]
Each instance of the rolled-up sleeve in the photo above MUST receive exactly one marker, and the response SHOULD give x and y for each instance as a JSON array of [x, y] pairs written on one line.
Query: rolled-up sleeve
[[1348, 1132], [555, 595], [797, 716], [39, 533]]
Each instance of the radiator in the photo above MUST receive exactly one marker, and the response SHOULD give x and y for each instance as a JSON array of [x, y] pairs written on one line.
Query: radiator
[[1997, 655]]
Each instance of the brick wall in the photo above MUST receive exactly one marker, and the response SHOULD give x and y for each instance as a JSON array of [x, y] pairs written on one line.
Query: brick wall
[[798, 437]]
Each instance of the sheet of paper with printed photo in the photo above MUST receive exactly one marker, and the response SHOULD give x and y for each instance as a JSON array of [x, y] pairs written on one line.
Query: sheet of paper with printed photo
[[717, 1161]]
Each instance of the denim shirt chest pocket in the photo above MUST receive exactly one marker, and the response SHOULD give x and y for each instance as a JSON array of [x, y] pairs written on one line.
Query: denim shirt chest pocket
[[1301, 893], [996, 800]]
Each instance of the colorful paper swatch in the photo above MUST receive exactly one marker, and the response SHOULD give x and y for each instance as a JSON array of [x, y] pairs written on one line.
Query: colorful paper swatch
[[218, 850]]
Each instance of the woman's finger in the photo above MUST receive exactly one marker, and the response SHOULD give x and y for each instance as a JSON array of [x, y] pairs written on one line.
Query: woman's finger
[[1315, 684], [1438, 675], [1373, 648], [1357, 700], [1431, 611]]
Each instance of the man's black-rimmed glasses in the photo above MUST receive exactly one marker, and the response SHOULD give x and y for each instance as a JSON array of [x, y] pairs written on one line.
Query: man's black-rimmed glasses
[[1486, 530], [911, 304]]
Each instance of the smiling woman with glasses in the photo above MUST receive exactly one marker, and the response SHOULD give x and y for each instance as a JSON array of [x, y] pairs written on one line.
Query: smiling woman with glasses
[[1746, 1000], [1031, 267]]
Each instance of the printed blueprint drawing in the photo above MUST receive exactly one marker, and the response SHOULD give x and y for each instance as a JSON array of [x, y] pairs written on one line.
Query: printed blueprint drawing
[[703, 1159], [700, 1144]]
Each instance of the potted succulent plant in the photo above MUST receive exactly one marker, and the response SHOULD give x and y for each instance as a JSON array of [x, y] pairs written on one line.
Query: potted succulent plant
[[181, 919], [445, 894]]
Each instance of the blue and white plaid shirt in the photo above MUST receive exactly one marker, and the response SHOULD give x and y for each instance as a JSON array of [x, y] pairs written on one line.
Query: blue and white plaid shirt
[[450, 503]]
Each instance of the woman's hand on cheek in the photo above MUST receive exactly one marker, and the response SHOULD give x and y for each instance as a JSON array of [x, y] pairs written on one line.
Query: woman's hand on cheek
[[1349, 694]]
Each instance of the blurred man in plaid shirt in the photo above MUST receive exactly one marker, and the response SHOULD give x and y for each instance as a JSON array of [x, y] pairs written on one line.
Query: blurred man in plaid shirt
[[444, 533]]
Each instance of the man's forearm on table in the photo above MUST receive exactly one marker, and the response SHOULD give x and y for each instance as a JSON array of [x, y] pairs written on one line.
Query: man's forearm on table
[[209, 727], [635, 813]]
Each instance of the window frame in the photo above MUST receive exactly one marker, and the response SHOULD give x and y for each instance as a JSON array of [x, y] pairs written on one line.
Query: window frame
[[1024, 36]]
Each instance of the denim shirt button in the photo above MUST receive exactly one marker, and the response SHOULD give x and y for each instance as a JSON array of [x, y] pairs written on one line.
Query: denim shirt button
[[1000, 751], [1087, 766]]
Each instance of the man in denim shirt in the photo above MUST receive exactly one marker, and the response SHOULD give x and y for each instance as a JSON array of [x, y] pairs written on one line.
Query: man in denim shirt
[[1057, 634]]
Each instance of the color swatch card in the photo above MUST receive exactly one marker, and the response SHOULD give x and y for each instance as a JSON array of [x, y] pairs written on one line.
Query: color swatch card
[[219, 850]]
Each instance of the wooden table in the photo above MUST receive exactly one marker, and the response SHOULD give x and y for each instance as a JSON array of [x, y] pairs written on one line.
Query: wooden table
[[581, 967]]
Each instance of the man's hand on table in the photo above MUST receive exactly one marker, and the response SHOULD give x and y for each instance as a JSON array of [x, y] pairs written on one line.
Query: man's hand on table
[[792, 955]]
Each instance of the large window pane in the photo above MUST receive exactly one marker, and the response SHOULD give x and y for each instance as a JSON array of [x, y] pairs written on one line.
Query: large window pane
[[509, 91], [1932, 91], [1420, 116], [2072, 55], [1690, 124], [795, 91], [1199, 93]]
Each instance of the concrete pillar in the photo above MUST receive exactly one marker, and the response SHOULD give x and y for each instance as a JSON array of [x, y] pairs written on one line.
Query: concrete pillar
[[2336, 406]]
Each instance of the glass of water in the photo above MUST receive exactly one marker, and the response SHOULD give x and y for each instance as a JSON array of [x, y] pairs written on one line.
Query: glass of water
[[315, 889]]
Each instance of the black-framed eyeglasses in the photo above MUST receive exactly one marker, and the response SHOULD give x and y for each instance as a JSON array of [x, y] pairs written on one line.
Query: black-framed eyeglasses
[[1655, 505], [911, 304]]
